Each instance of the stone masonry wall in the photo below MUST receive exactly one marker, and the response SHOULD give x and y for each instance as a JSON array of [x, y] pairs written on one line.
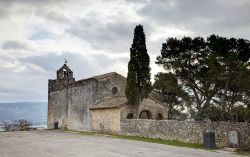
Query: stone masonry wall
[[186, 131], [106, 120], [82, 95], [57, 108]]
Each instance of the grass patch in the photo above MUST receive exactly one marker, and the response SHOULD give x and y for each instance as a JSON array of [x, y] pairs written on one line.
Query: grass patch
[[245, 153], [49, 129], [81, 132], [159, 141], [74, 131], [144, 139]]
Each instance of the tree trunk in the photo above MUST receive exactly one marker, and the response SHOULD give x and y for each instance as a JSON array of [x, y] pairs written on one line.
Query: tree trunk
[[225, 94], [198, 101], [137, 107], [170, 109]]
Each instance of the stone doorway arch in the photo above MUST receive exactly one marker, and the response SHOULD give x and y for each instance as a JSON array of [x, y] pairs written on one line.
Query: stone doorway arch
[[145, 114], [159, 116], [130, 116]]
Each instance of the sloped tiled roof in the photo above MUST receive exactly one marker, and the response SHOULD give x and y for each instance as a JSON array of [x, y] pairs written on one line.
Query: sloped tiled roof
[[110, 102]]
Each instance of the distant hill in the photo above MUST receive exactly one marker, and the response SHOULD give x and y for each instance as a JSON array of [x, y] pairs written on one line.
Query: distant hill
[[32, 111]]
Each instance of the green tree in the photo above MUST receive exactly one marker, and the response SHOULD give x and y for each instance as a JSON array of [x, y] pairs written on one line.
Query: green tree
[[138, 79], [213, 72], [238, 113], [166, 85], [232, 62], [186, 58]]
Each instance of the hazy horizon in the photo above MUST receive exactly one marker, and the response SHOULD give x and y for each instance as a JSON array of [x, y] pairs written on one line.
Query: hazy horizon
[[36, 112], [23, 102]]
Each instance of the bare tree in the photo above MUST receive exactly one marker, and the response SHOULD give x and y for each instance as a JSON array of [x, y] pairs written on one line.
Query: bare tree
[[17, 125]]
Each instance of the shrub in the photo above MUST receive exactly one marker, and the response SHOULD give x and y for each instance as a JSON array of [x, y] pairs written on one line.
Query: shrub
[[17, 125]]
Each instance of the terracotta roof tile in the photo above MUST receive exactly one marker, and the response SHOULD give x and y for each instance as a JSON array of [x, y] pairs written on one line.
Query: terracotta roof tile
[[110, 102]]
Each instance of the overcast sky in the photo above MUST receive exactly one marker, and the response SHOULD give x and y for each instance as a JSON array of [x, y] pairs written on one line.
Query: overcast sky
[[95, 36]]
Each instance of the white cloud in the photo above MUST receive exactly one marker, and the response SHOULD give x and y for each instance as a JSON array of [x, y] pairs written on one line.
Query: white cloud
[[96, 35]]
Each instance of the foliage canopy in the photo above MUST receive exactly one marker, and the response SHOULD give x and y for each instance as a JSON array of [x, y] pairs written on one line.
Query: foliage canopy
[[214, 72]]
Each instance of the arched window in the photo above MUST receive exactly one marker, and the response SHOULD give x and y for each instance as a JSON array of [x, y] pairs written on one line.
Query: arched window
[[159, 116], [65, 73], [114, 91], [130, 116], [145, 114]]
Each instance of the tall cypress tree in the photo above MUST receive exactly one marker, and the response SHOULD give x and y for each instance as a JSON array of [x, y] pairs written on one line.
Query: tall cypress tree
[[138, 79]]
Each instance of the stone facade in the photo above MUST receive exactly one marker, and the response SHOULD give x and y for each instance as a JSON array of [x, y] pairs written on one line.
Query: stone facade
[[106, 115], [186, 131], [95, 103], [69, 100]]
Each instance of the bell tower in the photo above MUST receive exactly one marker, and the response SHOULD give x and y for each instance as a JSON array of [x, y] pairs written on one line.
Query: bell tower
[[63, 79], [64, 72]]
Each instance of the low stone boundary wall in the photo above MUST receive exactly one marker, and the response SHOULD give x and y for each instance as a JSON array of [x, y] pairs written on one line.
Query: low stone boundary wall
[[186, 131]]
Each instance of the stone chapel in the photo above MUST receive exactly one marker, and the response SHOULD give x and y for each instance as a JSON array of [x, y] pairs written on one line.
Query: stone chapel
[[94, 103]]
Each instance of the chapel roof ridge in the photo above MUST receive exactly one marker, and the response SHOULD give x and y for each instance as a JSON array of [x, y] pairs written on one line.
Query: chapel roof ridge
[[106, 75], [99, 77]]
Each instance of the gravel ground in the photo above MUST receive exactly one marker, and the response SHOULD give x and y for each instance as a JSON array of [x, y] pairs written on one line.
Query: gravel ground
[[45, 143]]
